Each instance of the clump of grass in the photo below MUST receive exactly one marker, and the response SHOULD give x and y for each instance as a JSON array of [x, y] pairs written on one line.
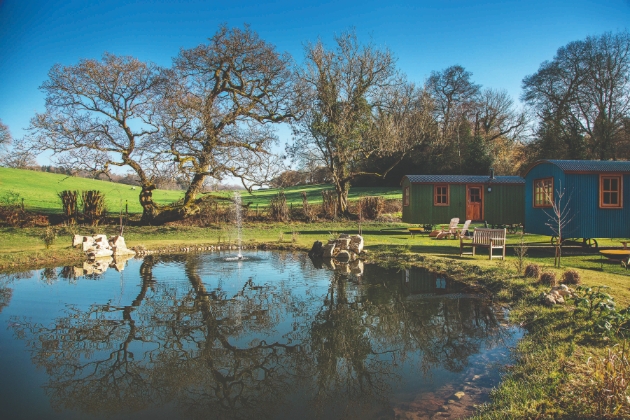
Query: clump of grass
[[48, 236], [548, 278], [602, 385], [571, 277], [532, 271]]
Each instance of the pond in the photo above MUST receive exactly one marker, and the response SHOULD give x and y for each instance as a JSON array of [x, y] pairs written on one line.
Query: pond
[[276, 336]]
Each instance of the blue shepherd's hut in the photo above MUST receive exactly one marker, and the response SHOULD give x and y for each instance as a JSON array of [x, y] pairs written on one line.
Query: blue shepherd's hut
[[594, 202]]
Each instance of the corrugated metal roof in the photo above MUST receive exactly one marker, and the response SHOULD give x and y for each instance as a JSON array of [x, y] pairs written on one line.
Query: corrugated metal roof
[[464, 179], [587, 165]]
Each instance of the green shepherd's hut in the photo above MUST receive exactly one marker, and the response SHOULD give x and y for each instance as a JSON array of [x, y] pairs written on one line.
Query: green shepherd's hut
[[435, 199]]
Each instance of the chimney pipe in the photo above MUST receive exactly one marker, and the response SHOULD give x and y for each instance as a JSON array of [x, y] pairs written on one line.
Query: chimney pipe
[[491, 173]]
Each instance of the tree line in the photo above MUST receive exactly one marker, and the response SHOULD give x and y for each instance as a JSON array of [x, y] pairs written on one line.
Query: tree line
[[355, 117]]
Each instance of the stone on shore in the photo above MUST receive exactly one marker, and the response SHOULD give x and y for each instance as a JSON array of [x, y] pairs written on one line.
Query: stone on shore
[[119, 247], [343, 243], [328, 250], [356, 244], [77, 240], [88, 246], [343, 256], [317, 251]]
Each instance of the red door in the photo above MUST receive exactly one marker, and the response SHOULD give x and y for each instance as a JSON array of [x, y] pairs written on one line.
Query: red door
[[474, 202]]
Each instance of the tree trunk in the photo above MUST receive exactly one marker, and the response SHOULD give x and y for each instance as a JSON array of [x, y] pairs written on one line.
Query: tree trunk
[[157, 215], [193, 189], [149, 208], [342, 188]]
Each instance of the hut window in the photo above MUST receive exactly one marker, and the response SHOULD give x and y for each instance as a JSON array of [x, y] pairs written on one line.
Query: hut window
[[406, 196], [543, 192], [440, 195], [610, 191]]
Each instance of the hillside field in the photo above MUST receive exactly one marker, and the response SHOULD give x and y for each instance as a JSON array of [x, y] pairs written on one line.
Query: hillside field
[[40, 192]]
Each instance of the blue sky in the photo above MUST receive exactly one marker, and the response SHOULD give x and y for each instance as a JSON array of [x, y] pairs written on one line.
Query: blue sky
[[500, 42]]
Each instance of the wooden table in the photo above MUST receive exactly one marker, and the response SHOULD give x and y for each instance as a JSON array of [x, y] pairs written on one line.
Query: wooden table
[[616, 254]]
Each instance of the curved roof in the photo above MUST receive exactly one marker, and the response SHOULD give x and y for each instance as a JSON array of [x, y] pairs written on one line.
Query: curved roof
[[464, 179], [593, 166]]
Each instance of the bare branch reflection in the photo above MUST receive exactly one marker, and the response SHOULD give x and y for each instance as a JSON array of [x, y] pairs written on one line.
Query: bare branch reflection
[[259, 351]]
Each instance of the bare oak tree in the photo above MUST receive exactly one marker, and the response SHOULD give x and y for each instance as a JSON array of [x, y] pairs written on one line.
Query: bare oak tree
[[5, 135], [5, 142], [345, 89], [100, 114], [454, 95], [217, 109], [495, 116]]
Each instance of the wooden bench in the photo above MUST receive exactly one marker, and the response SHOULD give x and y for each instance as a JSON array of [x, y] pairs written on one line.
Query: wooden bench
[[484, 238]]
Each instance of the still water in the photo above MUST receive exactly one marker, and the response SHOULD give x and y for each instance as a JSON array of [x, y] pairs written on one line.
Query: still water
[[277, 336]]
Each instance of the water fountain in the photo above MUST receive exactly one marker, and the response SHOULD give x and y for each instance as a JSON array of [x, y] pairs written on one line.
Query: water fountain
[[239, 223]]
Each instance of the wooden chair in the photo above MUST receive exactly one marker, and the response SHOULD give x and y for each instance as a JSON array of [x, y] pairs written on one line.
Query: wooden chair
[[463, 232], [450, 231]]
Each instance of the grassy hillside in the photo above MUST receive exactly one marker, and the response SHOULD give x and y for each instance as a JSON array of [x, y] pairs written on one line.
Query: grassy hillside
[[39, 191], [314, 194]]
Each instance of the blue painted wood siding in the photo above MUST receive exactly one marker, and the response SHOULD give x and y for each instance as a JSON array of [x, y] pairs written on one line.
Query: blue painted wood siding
[[588, 220]]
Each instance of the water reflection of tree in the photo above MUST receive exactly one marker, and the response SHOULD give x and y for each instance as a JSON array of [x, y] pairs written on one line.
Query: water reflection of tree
[[7, 279], [208, 352], [349, 372]]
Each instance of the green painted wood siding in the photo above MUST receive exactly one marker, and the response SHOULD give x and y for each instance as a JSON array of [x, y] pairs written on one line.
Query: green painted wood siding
[[504, 205], [421, 209]]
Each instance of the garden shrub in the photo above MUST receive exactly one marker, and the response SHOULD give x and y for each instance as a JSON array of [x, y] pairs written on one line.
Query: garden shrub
[[11, 212], [309, 213], [278, 209], [69, 200], [370, 208], [571, 277], [532, 271], [548, 278], [329, 205], [93, 206]]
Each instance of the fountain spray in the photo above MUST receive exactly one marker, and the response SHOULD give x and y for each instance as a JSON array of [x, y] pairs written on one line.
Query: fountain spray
[[239, 221]]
